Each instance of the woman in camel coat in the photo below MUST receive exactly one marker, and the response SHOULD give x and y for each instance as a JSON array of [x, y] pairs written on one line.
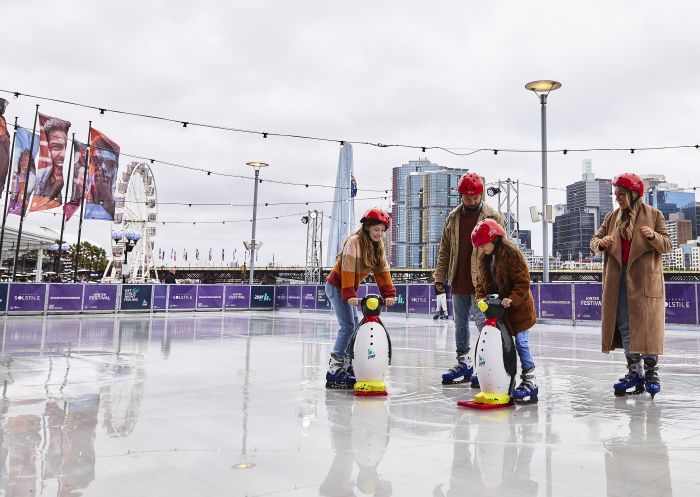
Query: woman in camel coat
[[633, 237]]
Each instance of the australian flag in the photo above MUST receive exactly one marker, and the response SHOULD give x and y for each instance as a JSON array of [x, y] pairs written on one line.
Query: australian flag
[[353, 186]]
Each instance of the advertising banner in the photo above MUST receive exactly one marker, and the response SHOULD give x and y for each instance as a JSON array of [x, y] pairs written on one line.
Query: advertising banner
[[210, 297], [418, 299], [3, 296], [100, 298], [103, 161], [79, 161], [160, 297], [293, 297], [535, 290], [136, 297], [399, 306], [681, 306], [5, 141], [237, 297], [26, 297], [322, 302], [262, 296], [308, 297], [281, 296], [65, 297], [182, 297], [23, 166], [49, 171], [555, 300], [588, 301]]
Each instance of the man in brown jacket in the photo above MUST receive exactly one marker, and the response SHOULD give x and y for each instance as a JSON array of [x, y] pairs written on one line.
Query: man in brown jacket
[[457, 266], [633, 237]]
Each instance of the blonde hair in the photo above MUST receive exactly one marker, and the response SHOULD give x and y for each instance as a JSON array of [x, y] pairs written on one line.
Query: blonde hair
[[627, 218], [371, 252]]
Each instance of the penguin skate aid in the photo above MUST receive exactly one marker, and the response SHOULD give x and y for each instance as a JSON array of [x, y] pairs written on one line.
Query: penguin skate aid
[[371, 349], [502, 270], [456, 266], [362, 254], [632, 239]]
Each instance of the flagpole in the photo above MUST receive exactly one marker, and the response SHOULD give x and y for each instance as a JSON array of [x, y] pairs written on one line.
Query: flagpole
[[57, 262], [7, 190], [82, 203], [26, 191]]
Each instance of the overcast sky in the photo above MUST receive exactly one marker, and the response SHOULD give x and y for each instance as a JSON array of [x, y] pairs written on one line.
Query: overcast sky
[[422, 73]]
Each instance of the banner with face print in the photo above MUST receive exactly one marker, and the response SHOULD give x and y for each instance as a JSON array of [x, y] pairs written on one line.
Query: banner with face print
[[79, 162], [103, 162], [4, 145], [53, 134], [23, 166]]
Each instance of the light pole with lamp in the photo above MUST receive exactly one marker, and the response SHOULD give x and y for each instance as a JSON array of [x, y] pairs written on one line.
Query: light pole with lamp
[[257, 166], [542, 89]]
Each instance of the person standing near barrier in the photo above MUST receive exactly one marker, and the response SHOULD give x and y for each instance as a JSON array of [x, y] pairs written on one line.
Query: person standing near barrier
[[457, 266], [441, 304], [363, 253], [632, 239]]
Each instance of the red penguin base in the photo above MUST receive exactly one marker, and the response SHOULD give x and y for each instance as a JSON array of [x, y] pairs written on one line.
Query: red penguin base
[[361, 393], [484, 407]]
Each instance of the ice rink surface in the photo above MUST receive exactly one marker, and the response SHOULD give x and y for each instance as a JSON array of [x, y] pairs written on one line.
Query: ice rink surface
[[234, 404]]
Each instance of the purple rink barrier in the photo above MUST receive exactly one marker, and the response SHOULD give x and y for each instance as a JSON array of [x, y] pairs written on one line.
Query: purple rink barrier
[[281, 297], [555, 301], [182, 297], [3, 296], [399, 306], [210, 297], [294, 297], [588, 301], [67, 297], [322, 301], [26, 297], [100, 298], [262, 297], [237, 297], [160, 297], [308, 297], [418, 298], [681, 303]]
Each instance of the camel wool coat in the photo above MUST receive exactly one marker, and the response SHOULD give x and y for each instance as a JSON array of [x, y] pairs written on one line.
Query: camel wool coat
[[645, 282]]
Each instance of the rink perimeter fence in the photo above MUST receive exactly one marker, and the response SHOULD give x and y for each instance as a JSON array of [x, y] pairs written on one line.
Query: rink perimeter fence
[[553, 301]]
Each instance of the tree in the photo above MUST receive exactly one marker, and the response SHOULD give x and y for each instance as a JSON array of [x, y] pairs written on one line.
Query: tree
[[91, 256]]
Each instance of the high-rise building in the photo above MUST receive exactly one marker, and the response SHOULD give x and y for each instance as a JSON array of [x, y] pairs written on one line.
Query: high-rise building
[[679, 229], [343, 217], [400, 226], [587, 203], [673, 200]]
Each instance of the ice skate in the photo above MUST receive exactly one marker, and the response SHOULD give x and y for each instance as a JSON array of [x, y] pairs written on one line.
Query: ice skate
[[633, 382], [651, 377], [527, 391], [337, 376], [460, 372]]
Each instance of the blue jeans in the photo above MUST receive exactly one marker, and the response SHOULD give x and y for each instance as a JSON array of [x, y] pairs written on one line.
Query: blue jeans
[[522, 346], [463, 307], [347, 318], [623, 319]]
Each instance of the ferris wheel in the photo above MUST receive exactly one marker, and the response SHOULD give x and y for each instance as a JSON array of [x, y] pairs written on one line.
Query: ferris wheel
[[134, 225]]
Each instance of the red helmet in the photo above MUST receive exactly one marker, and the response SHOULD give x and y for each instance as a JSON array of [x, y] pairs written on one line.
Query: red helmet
[[470, 184], [630, 181], [486, 231], [377, 215]]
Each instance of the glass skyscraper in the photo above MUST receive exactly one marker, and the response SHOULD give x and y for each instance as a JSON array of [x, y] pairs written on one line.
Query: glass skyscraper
[[669, 202], [343, 218]]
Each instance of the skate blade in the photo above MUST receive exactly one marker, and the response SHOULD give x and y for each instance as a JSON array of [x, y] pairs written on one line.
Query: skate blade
[[454, 382], [533, 399], [338, 386], [637, 390]]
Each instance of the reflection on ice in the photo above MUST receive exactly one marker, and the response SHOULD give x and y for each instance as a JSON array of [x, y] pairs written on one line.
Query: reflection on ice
[[234, 404]]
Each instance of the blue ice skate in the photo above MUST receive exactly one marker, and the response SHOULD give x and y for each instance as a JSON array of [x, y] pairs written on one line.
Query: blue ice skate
[[337, 376], [527, 391], [633, 382], [460, 373], [651, 377]]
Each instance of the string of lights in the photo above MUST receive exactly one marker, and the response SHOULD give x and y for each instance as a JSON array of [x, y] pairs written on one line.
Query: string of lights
[[457, 151], [210, 172]]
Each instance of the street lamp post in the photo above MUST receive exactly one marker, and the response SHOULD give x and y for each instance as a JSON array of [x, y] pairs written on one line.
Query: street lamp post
[[257, 166], [542, 89]]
